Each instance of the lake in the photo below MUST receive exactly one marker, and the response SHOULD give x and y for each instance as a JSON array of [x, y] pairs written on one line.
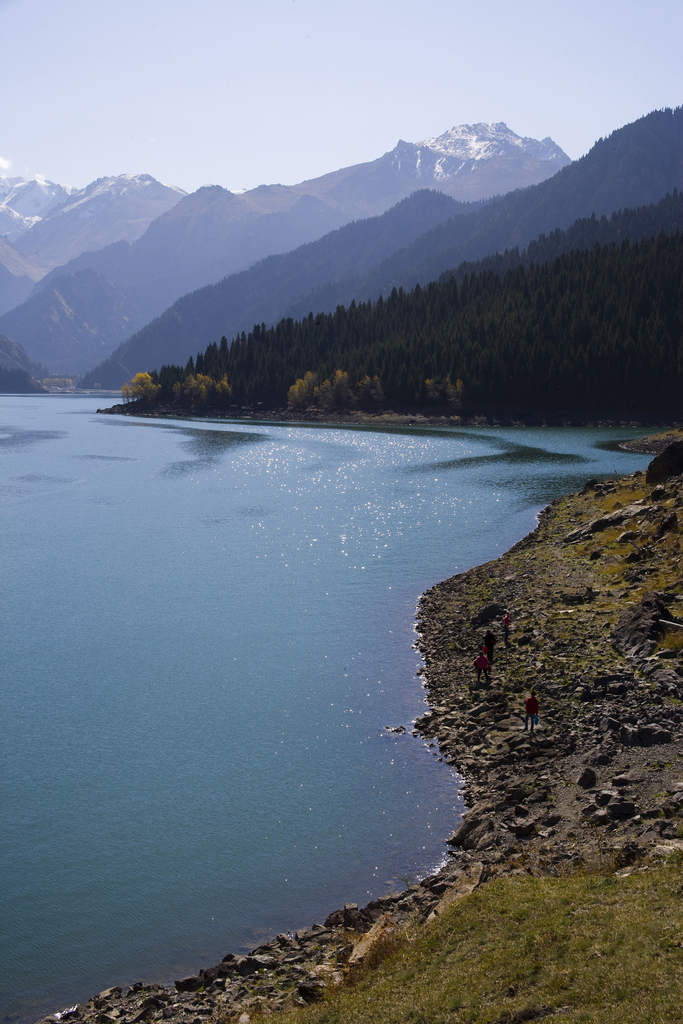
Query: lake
[[206, 628]]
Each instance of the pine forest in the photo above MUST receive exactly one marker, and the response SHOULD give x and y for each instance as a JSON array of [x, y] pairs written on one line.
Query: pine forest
[[591, 329]]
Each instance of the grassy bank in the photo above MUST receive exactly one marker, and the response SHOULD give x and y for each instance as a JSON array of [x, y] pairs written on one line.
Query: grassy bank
[[590, 947]]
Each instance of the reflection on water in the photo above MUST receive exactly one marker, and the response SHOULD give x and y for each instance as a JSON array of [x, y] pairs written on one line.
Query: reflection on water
[[515, 455], [107, 458], [207, 447], [13, 438], [39, 478]]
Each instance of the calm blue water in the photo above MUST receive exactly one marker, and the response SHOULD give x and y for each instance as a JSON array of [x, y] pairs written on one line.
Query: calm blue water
[[205, 628]]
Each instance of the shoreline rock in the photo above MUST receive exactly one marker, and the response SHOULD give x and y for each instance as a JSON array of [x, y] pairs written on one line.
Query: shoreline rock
[[600, 778]]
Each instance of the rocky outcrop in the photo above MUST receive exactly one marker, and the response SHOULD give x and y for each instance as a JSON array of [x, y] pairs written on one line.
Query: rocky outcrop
[[668, 463], [635, 510], [641, 626], [488, 614]]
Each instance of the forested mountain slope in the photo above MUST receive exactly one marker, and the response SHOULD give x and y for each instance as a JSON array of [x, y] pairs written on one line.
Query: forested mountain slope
[[636, 165], [597, 329], [634, 224], [266, 289]]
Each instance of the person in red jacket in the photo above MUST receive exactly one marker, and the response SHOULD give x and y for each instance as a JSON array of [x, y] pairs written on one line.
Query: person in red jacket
[[482, 664], [531, 711]]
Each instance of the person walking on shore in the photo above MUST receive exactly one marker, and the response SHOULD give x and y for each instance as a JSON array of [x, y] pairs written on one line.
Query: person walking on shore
[[506, 629], [482, 665], [531, 711], [490, 641]]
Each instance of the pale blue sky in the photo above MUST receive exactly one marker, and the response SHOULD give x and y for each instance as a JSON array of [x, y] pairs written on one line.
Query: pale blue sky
[[242, 93]]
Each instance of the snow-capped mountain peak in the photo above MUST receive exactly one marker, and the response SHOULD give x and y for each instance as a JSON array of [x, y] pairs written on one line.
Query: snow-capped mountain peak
[[25, 201], [24, 204], [105, 190], [111, 209], [487, 141], [478, 160]]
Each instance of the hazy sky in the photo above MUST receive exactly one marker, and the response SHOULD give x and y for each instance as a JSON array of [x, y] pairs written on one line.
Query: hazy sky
[[260, 91]]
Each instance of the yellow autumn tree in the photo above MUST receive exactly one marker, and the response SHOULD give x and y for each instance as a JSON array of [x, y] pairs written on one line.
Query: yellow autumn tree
[[300, 395], [200, 390], [335, 393], [141, 387], [444, 392]]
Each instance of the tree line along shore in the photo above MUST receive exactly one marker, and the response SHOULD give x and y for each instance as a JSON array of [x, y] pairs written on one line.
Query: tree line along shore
[[591, 329], [561, 891]]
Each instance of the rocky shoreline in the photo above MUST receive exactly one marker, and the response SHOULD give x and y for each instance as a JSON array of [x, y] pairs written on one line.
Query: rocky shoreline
[[428, 417], [595, 595]]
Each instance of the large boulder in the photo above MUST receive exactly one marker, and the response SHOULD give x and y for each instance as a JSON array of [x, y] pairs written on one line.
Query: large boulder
[[651, 735], [461, 833], [487, 614], [587, 779], [640, 626], [668, 524], [628, 734], [668, 463], [481, 837], [190, 983], [522, 828], [311, 989], [621, 809], [252, 964]]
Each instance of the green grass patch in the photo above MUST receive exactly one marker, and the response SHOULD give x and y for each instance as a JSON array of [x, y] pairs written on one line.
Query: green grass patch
[[593, 948]]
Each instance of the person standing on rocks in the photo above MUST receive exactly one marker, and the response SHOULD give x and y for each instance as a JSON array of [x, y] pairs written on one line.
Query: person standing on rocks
[[482, 664], [531, 709], [506, 629], [490, 641]]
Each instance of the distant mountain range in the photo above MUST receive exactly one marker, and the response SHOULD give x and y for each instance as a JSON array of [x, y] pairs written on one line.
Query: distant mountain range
[[476, 161], [635, 166], [70, 343], [108, 210], [209, 234], [199, 239], [13, 357], [49, 224], [23, 202]]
